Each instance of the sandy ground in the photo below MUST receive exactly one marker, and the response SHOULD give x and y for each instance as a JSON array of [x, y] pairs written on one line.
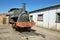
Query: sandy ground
[[7, 33], [49, 34]]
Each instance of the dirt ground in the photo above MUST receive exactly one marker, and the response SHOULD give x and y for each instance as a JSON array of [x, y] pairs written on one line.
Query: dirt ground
[[49, 34], [7, 33]]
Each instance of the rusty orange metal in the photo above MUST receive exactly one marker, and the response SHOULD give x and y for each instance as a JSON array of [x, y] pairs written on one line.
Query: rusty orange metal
[[24, 24]]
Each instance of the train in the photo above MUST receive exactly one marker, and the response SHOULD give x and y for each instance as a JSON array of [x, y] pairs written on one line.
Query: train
[[19, 18]]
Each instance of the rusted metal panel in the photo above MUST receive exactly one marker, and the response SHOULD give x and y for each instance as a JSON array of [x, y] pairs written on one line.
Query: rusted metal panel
[[25, 24]]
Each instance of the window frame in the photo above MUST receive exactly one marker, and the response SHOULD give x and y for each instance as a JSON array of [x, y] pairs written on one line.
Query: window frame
[[38, 16], [31, 17], [57, 20]]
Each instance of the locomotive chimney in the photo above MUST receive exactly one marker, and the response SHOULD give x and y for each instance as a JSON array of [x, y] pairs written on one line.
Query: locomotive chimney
[[23, 6]]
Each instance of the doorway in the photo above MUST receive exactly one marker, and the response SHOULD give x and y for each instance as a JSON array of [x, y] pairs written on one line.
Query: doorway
[[4, 20]]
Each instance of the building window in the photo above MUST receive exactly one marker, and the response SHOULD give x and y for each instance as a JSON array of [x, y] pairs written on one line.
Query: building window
[[31, 17], [40, 17], [58, 18]]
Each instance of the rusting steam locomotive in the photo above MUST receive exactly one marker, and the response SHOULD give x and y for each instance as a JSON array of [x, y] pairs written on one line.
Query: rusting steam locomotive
[[19, 18]]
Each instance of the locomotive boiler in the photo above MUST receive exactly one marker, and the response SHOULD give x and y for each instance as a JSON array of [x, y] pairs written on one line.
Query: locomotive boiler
[[19, 18]]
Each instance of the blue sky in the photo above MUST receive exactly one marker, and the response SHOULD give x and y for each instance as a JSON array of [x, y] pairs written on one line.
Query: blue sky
[[5, 5]]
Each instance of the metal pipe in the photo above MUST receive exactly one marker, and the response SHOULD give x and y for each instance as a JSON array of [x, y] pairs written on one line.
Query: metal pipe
[[23, 6]]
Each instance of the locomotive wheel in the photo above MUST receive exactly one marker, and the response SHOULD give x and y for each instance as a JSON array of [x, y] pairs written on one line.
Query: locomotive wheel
[[13, 25], [28, 29], [19, 29]]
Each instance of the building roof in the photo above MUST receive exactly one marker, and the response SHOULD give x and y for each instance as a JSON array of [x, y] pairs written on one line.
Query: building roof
[[50, 7], [13, 9], [5, 14]]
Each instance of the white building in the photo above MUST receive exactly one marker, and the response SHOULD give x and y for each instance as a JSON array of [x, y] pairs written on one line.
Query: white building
[[47, 17]]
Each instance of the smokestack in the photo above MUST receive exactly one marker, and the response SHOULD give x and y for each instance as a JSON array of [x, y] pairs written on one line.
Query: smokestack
[[23, 6]]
